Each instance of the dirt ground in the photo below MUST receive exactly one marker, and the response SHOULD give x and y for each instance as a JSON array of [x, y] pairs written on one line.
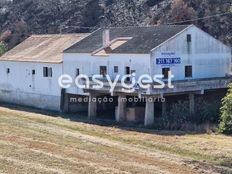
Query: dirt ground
[[38, 143]]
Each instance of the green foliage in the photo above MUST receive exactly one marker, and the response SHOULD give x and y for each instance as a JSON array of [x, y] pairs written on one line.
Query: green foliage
[[2, 48], [225, 125], [178, 116]]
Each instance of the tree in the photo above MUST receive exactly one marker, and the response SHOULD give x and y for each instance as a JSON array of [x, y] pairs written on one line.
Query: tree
[[225, 125], [2, 48]]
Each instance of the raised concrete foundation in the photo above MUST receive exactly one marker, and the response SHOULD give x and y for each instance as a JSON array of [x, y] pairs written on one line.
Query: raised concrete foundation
[[47, 102], [149, 113], [121, 109], [92, 108]]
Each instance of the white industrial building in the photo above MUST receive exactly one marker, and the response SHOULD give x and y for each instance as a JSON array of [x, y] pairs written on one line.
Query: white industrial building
[[29, 72], [198, 62], [195, 58], [138, 49]]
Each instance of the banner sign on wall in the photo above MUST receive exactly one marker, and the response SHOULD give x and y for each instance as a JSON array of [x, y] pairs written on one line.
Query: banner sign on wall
[[168, 58]]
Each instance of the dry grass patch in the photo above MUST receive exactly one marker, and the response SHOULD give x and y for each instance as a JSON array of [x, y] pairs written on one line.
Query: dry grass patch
[[36, 143]]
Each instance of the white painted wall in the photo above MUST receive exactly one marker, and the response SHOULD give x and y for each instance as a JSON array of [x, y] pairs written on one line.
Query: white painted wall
[[21, 87], [209, 57], [90, 65]]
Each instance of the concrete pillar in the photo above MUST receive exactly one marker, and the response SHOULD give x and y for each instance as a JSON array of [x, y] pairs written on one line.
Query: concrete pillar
[[164, 108], [92, 108], [62, 100], [191, 104], [65, 101], [149, 113], [121, 112]]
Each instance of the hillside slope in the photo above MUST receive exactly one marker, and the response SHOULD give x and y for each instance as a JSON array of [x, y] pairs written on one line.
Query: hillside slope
[[19, 19]]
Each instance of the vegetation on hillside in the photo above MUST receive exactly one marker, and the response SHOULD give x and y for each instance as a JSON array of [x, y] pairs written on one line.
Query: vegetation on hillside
[[2, 48], [19, 19], [226, 113]]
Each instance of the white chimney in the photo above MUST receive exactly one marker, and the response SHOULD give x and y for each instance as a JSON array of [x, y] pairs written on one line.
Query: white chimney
[[106, 38]]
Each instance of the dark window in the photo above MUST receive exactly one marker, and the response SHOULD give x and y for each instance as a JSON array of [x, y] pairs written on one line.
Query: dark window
[[103, 70], [8, 70], [33, 72], [189, 38], [188, 71], [128, 72], [165, 72], [47, 72], [115, 69], [77, 72]]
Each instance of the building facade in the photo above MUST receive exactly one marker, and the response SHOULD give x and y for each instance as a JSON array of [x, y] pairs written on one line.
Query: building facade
[[197, 60], [29, 72]]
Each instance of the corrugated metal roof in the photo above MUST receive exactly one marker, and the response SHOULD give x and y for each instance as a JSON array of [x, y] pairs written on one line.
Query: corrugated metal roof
[[144, 39], [42, 48]]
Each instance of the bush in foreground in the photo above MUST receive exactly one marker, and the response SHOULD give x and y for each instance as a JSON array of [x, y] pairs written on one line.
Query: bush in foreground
[[225, 125], [178, 117]]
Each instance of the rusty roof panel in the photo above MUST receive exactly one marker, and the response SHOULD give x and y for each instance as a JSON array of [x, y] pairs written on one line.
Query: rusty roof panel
[[42, 48]]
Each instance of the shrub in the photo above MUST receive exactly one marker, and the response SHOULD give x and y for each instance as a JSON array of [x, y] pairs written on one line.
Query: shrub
[[225, 125], [2, 48], [178, 116]]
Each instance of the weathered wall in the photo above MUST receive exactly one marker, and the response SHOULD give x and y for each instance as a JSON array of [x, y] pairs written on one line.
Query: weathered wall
[[20, 86], [48, 102], [90, 65], [208, 56]]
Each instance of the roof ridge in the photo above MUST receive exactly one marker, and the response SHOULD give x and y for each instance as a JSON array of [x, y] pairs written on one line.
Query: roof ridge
[[148, 26], [143, 38], [58, 35]]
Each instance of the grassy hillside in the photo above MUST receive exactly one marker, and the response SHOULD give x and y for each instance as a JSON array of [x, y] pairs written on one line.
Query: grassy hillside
[[37, 143]]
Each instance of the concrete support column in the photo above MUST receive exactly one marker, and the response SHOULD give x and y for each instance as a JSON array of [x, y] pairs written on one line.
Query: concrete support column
[[121, 112], [92, 108], [149, 113], [191, 104], [65, 101]]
